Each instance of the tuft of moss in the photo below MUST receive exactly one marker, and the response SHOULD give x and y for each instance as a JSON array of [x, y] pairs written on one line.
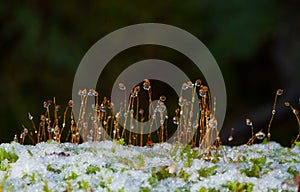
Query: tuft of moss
[[92, 169], [11, 157], [51, 169], [256, 168], [206, 172], [237, 186]]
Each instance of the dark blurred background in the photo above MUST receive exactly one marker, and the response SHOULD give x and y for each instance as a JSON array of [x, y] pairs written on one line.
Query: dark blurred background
[[256, 44]]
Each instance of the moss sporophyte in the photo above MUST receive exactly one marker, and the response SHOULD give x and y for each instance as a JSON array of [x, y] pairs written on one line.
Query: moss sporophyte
[[80, 156]]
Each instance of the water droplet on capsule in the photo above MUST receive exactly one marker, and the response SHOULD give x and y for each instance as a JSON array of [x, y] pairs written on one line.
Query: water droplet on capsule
[[279, 92], [146, 85], [230, 138], [260, 135], [181, 102], [82, 92], [102, 108], [248, 122], [122, 86], [133, 94], [43, 118], [202, 93], [175, 120], [198, 83], [190, 84], [137, 89], [46, 104], [30, 116], [296, 111], [184, 86], [162, 98]]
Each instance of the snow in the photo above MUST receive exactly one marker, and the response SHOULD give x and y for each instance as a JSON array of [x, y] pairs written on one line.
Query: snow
[[130, 168]]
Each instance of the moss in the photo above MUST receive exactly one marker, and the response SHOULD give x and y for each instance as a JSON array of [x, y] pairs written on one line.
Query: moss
[[292, 170], [237, 186], [141, 161], [30, 153], [3, 182], [92, 169], [46, 187], [163, 173], [71, 176], [120, 141], [182, 174], [206, 172], [83, 184], [203, 189], [51, 169], [256, 168], [145, 189], [152, 180], [11, 157]]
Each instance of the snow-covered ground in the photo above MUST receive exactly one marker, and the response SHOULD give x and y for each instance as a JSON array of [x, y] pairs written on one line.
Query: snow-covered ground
[[109, 166]]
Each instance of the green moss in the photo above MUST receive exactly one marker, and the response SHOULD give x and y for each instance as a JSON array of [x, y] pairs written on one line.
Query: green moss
[[141, 161], [46, 187], [30, 153], [120, 141], [3, 182], [83, 185], [102, 184], [109, 180], [152, 180], [51, 169], [203, 189], [297, 143], [206, 172], [163, 173], [292, 170], [11, 157], [92, 169], [113, 148], [31, 177], [145, 189], [71, 176], [257, 165], [236, 186], [182, 174]]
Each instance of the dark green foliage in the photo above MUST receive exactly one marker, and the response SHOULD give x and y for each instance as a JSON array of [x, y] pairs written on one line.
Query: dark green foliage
[[184, 175], [145, 189], [72, 176], [292, 170], [10, 156], [206, 172], [50, 168], [92, 169], [203, 189], [236, 186], [256, 168]]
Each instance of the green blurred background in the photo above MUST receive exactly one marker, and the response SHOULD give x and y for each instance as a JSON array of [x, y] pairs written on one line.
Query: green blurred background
[[256, 44]]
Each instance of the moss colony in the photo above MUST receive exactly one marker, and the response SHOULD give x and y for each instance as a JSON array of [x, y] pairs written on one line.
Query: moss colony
[[111, 166], [139, 161]]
